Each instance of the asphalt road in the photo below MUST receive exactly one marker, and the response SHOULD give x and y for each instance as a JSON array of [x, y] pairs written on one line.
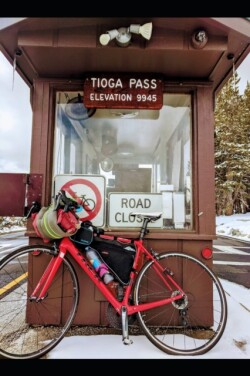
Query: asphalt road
[[231, 258], [10, 242]]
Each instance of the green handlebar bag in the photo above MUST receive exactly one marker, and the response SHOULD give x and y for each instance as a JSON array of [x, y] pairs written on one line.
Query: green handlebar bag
[[51, 224]]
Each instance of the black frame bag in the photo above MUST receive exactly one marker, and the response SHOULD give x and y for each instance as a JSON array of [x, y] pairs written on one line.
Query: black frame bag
[[84, 236], [119, 257]]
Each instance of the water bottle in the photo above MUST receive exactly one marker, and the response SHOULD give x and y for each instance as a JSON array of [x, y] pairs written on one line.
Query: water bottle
[[98, 265]]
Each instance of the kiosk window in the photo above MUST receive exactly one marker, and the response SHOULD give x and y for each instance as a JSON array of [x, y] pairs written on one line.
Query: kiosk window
[[138, 151]]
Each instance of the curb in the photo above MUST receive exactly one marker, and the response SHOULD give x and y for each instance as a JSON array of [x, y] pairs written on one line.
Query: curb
[[231, 237]]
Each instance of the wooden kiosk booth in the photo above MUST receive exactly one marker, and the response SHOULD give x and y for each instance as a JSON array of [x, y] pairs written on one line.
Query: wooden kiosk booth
[[123, 114]]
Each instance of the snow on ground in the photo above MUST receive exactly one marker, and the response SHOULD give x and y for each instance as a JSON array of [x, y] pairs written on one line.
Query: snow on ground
[[234, 344], [236, 226], [12, 224]]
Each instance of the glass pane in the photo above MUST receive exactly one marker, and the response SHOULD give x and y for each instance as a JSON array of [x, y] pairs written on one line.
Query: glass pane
[[138, 151]]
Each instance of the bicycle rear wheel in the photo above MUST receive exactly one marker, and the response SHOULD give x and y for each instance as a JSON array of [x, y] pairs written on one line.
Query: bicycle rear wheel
[[191, 325], [29, 329]]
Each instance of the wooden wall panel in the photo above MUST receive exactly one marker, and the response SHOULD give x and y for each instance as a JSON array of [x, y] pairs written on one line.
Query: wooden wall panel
[[205, 162]]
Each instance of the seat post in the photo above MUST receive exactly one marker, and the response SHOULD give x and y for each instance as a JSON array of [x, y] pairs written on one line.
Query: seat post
[[143, 230]]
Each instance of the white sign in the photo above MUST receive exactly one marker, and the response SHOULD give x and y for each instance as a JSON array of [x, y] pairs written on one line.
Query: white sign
[[88, 191], [121, 205]]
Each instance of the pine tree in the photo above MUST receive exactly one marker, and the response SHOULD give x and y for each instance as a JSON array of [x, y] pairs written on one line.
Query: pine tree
[[246, 98], [232, 157]]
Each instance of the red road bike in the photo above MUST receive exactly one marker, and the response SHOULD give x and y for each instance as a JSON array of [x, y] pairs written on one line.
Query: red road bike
[[178, 301]]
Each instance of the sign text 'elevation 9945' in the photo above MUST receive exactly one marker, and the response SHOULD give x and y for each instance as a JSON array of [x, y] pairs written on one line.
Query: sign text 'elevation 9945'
[[123, 92]]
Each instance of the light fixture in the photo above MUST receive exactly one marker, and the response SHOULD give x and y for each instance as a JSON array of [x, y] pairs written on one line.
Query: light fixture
[[127, 114], [123, 34], [199, 38], [125, 150], [122, 113], [76, 110], [107, 164]]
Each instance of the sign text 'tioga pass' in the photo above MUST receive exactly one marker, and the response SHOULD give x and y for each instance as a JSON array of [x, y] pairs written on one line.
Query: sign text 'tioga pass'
[[123, 92]]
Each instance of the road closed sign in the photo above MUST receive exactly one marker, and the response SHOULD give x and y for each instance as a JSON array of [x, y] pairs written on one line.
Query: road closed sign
[[121, 205], [88, 191]]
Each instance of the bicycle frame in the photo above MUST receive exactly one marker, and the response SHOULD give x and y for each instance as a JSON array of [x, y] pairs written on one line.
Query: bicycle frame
[[66, 246]]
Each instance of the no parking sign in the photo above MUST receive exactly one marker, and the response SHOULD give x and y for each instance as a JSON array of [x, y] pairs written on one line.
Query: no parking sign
[[88, 191]]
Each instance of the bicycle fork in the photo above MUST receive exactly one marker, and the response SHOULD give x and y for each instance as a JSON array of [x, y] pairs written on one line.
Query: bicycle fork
[[47, 277]]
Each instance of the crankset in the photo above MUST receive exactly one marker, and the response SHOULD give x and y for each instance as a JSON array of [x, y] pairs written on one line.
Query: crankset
[[115, 320]]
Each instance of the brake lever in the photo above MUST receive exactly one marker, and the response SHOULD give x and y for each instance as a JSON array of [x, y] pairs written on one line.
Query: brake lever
[[66, 208], [57, 201], [35, 207]]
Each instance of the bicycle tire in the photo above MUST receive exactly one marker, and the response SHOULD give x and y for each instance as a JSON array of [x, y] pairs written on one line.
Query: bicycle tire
[[189, 326], [30, 329]]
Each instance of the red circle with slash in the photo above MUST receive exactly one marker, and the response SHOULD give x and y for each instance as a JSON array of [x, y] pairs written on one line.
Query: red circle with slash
[[98, 198]]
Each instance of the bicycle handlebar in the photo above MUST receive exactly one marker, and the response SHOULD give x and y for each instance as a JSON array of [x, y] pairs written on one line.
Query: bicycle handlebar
[[62, 200], [97, 230]]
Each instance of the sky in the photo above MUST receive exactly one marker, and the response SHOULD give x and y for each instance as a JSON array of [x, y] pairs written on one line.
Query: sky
[[234, 343], [15, 120], [16, 116]]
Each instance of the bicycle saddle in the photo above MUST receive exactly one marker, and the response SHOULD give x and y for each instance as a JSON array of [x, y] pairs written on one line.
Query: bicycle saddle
[[150, 216]]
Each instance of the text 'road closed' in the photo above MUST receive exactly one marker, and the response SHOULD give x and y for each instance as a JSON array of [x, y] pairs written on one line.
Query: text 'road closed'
[[122, 205]]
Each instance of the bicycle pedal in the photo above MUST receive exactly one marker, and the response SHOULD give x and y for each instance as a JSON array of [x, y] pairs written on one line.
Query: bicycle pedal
[[127, 341]]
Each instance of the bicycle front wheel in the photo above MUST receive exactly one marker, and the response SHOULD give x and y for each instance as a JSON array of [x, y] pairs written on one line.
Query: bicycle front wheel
[[191, 325], [30, 328]]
